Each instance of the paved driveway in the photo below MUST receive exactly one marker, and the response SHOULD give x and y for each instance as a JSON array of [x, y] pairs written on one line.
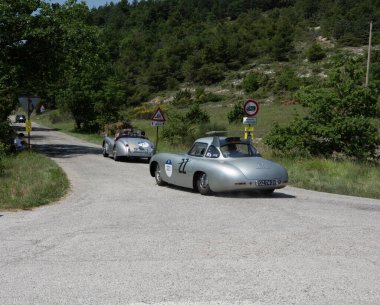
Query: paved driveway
[[118, 238]]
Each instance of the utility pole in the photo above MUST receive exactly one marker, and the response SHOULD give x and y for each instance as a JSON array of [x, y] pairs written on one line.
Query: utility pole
[[369, 54]]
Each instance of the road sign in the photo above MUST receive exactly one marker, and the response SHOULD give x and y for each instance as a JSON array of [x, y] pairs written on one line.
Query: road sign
[[250, 121], [28, 125], [248, 131], [158, 116], [156, 123], [29, 103], [251, 108]]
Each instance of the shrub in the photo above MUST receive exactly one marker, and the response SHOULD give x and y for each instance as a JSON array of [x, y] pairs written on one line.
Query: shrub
[[333, 125], [3, 150], [315, 52], [196, 115], [210, 73], [112, 128], [236, 114], [183, 129], [287, 80], [254, 81], [182, 99]]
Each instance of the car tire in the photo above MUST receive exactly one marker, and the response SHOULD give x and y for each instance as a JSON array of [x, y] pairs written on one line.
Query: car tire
[[115, 156], [203, 185], [157, 176], [105, 148]]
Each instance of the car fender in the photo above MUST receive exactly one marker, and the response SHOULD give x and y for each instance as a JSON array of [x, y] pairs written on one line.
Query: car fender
[[220, 174]]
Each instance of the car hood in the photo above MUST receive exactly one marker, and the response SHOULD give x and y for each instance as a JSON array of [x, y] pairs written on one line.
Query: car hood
[[259, 168]]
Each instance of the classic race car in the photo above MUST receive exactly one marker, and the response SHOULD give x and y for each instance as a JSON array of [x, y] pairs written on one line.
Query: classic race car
[[20, 118], [219, 164], [130, 144]]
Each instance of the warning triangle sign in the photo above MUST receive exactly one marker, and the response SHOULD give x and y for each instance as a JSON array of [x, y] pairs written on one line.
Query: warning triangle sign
[[158, 116]]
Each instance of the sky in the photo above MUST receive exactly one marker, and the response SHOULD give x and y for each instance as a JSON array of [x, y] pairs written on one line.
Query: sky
[[90, 3]]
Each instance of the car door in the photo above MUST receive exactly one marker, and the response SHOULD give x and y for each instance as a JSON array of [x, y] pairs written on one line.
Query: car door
[[186, 165]]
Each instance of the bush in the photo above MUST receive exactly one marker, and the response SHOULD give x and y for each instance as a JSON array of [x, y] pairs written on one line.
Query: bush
[[287, 80], [315, 52], [254, 81], [183, 129], [209, 74], [236, 114], [196, 115], [333, 125], [3, 151], [112, 128], [182, 99]]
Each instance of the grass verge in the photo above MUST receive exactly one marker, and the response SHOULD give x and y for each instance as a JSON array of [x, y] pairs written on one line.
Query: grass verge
[[338, 177], [29, 180]]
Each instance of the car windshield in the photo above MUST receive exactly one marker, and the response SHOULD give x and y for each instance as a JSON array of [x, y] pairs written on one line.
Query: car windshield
[[131, 136], [238, 150]]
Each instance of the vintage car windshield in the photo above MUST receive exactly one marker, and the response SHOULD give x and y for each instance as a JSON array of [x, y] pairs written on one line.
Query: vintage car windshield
[[238, 150], [131, 136]]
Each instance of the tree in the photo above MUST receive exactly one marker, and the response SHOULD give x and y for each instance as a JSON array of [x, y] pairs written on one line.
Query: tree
[[339, 119], [86, 79], [27, 57]]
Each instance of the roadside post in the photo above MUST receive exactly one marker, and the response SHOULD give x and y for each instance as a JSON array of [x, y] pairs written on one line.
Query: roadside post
[[158, 120], [250, 109], [29, 103]]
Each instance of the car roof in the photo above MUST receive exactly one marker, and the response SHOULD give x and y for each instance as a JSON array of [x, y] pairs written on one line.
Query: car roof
[[220, 141]]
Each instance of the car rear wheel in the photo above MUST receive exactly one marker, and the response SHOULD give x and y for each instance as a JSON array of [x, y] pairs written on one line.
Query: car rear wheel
[[157, 176], [203, 185], [105, 149]]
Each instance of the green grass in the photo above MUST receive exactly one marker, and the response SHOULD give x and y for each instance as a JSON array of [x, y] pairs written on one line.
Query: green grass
[[29, 180], [339, 177]]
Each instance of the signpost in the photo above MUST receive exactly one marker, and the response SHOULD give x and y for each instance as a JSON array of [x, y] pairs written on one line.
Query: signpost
[[158, 120], [29, 103], [250, 109]]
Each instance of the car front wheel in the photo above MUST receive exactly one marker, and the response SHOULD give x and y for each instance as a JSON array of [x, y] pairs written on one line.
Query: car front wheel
[[157, 176], [203, 184], [115, 156]]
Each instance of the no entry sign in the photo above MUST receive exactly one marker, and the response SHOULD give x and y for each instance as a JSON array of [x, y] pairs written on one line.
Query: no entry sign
[[251, 108]]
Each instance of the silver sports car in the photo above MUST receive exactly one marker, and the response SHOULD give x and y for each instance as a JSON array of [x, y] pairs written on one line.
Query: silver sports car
[[128, 145], [219, 164]]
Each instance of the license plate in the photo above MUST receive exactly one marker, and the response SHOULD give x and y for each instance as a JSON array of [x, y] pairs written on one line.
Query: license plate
[[266, 182], [140, 150]]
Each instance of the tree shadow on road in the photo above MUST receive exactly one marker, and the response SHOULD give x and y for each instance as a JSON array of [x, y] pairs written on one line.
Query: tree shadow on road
[[66, 150]]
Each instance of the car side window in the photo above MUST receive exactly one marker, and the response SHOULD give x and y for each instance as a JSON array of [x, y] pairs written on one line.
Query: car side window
[[212, 152], [198, 149]]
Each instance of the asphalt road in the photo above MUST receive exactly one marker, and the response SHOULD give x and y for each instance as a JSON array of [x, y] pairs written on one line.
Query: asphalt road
[[118, 238]]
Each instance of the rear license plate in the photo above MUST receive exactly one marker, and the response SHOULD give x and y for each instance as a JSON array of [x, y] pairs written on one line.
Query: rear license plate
[[140, 150], [266, 182]]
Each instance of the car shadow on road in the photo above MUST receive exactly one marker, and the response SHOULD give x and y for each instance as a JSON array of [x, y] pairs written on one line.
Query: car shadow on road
[[254, 194], [66, 150], [238, 194]]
